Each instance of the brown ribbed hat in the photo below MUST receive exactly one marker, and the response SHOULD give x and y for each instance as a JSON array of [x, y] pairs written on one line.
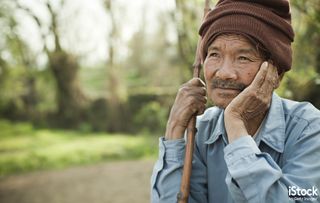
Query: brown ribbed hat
[[266, 21]]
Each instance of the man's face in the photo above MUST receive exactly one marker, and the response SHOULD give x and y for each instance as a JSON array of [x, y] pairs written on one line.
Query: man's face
[[231, 65]]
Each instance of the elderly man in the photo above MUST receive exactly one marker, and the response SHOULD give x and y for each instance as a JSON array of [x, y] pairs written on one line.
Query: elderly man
[[252, 146]]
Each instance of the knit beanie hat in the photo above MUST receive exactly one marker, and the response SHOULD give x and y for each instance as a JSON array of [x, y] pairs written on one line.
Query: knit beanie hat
[[266, 21]]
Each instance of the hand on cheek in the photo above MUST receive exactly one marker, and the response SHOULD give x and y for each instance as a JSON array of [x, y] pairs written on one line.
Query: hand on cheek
[[251, 103]]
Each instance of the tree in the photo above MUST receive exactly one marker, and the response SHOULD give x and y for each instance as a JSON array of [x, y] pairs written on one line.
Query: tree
[[17, 72], [303, 80], [188, 18], [116, 83], [64, 66]]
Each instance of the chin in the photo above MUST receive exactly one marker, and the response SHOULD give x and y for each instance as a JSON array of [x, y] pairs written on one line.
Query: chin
[[222, 105], [222, 100]]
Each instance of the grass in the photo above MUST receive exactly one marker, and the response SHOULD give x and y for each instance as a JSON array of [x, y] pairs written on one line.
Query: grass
[[24, 148]]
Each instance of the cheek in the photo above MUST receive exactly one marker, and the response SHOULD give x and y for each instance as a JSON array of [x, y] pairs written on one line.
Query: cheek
[[208, 69], [249, 75]]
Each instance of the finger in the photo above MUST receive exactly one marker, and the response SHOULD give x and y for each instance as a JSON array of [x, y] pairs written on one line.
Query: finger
[[201, 109], [201, 99], [201, 91], [196, 82], [198, 108], [196, 99], [260, 76]]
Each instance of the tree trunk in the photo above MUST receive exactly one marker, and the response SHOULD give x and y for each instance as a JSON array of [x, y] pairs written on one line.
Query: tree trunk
[[70, 98], [115, 87]]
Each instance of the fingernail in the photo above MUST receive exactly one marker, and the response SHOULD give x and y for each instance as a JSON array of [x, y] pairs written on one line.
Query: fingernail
[[265, 64]]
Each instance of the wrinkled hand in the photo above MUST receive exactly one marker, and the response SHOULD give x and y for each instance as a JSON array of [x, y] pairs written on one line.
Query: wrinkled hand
[[254, 101], [190, 100]]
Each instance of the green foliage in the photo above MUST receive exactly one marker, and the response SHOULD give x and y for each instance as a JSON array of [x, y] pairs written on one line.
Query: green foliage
[[158, 66], [151, 118], [135, 91], [24, 148], [301, 82], [12, 87]]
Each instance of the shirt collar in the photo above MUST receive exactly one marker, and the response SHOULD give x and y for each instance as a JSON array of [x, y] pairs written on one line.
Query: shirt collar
[[218, 130], [272, 131]]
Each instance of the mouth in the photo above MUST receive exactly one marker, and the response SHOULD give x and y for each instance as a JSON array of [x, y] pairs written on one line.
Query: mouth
[[226, 91]]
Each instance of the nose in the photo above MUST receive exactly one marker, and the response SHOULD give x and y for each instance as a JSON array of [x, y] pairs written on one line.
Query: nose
[[226, 70]]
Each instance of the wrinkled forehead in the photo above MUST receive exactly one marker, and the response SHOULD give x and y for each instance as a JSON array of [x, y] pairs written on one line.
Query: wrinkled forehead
[[233, 39], [239, 40]]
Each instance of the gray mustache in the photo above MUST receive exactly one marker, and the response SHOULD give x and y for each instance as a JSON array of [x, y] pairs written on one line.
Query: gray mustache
[[225, 84]]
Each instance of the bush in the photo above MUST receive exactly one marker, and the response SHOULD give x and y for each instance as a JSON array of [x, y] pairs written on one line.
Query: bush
[[151, 118]]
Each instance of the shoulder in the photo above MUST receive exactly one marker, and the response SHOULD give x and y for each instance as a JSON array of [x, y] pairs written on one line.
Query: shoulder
[[302, 120], [302, 129], [301, 111]]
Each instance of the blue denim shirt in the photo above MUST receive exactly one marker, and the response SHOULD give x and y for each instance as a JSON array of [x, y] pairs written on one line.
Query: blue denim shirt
[[284, 154]]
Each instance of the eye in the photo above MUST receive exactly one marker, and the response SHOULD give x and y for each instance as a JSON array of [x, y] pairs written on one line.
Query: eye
[[213, 54], [243, 58]]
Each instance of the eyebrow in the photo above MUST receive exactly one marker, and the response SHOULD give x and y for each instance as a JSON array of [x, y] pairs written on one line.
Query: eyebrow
[[213, 48], [248, 51]]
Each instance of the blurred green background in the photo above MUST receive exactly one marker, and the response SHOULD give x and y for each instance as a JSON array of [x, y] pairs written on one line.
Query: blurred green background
[[84, 82]]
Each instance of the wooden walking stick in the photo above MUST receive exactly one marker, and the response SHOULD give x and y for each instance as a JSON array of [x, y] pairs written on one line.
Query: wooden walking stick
[[183, 195]]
